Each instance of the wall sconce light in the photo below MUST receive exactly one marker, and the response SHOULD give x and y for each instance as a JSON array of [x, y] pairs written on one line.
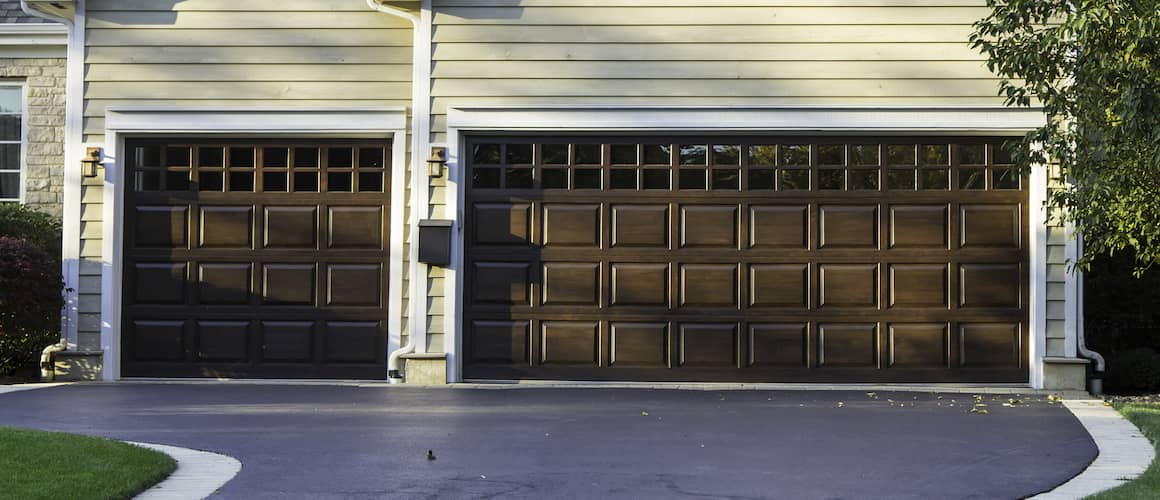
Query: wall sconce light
[[91, 161], [436, 162]]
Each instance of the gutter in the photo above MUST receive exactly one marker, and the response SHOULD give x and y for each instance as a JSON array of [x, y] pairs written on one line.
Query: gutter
[[1096, 382], [73, 21], [420, 138]]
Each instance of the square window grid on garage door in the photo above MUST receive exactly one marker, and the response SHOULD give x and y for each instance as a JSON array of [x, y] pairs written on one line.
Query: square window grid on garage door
[[256, 259], [745, 258]]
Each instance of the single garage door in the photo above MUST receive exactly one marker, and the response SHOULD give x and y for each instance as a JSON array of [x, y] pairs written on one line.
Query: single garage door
[[256, 259], [887, 259]]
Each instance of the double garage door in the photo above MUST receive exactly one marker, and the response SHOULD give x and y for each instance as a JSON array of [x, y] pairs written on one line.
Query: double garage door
[[256, 259], [751, 258]]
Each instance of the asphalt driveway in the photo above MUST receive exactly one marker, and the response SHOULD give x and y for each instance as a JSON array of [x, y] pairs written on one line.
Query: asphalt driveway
[[310, 441]]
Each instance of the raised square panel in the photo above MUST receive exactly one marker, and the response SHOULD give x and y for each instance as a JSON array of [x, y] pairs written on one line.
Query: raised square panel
[[354, 285], [502, 223], [919, 345], [291, 227], [779, 227], [501, 283], [571, 225], [778, 285], [918, 285], [777, 344], [848, 285], [288, 284], [640, 284], [708, 285], [848, 226], [639, 344], [640, 225], [222, 340], [291, 341], [356, 227], [708, 345], [226, 227], [568, 343], [847, 345], [918, 226], [989, 285], [223, 283], [989, 345], [708, 226], [990, 226], [499, 342], [159, 283], [161, 227], [354, 341], [158, 340], [566, 284]]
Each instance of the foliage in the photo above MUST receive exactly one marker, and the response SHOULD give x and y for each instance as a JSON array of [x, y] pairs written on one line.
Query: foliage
[[1146, 416], [30, 303], [1120, 313], [1094, 66], [53, 465], [40, 229], [1134, 371]]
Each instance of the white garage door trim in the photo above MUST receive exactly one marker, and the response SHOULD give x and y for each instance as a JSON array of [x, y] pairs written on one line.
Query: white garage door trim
[[928, 120]]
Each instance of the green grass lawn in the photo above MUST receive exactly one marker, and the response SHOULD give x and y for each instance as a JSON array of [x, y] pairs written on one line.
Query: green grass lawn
[[1146, 416], [53, 465]]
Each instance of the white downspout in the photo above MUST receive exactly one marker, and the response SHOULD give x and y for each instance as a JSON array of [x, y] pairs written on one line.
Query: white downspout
[[420, 131], [71, 203], [1097, 383]]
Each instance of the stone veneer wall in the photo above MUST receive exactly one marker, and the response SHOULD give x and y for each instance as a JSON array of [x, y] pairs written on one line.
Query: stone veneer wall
[[44, 81]]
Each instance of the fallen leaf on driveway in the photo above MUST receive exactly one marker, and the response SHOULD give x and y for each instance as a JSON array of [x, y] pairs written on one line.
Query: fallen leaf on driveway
[[643, 413]]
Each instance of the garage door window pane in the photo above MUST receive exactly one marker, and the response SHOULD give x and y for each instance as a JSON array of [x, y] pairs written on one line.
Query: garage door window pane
[[900, 179], [275, 157], [554, 178], [147, 180], [1002, 152], [623, 178], [937, 178], [147, 156], [587, 154], [656, 178], [900, 155], [339, 182], [864, 154], [762, 155], [726, 179], [972, 154], [863, 179], [795, 179], [209, 157], [177, 156], [973, 178], [177, 180], [241, 157], [691, 179], [241, 181], [485, 178], [831, 178], [694, 154], [623, 154], [1006, 178], [726, 155], [519, 178], [306, 157], [586, 178], [555, 154], [371, 158], [658, 154], [274, 181], [485, 154], [210, 180], [795, 155], [370, 182], [761, 178], [306, 182], [936, 154], [519, 154], [831, 154]]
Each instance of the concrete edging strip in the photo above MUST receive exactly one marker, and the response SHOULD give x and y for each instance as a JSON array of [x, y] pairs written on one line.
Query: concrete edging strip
[[199, 474], [1124, 451]]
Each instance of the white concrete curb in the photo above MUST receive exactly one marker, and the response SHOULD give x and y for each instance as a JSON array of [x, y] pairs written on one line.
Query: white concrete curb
[[199, 474], [5, 389], [1124, 452]]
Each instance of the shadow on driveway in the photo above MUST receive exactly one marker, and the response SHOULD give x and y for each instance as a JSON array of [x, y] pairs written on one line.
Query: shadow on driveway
[[310, 441]]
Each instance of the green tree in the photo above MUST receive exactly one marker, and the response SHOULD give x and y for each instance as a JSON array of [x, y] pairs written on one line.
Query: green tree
[[1094, 67]]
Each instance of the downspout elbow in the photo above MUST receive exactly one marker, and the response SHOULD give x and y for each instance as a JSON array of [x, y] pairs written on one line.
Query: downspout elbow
[[47, 361], [394, 11]]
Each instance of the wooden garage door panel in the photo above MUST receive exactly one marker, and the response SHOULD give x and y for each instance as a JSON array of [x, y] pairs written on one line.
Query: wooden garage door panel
[[256, 258], [743, 258]]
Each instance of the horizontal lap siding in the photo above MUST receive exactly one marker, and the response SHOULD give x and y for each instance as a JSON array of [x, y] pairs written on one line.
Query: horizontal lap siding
[[230, 53], [702, 52]]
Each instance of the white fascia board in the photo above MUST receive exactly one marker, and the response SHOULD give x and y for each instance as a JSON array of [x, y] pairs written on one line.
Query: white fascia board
[[255, 120], [33, 34], [850, 119]]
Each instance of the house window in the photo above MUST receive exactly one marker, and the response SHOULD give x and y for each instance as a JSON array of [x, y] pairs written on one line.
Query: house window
[[11, 140]]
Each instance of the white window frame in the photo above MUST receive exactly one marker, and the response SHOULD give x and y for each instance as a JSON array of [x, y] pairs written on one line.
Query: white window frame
[[22, 169]]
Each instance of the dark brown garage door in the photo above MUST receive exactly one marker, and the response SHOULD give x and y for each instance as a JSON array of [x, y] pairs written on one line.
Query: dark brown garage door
[[257, 259], [745, 258]]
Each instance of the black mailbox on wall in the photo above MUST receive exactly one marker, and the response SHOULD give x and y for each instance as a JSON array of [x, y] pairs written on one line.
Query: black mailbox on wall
[[435, 242]]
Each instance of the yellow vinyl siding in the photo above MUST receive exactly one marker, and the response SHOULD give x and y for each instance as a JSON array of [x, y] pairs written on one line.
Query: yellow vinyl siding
[[231, 54]]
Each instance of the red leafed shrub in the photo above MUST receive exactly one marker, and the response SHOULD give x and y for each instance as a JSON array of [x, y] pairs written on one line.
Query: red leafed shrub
[[30, 303]]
